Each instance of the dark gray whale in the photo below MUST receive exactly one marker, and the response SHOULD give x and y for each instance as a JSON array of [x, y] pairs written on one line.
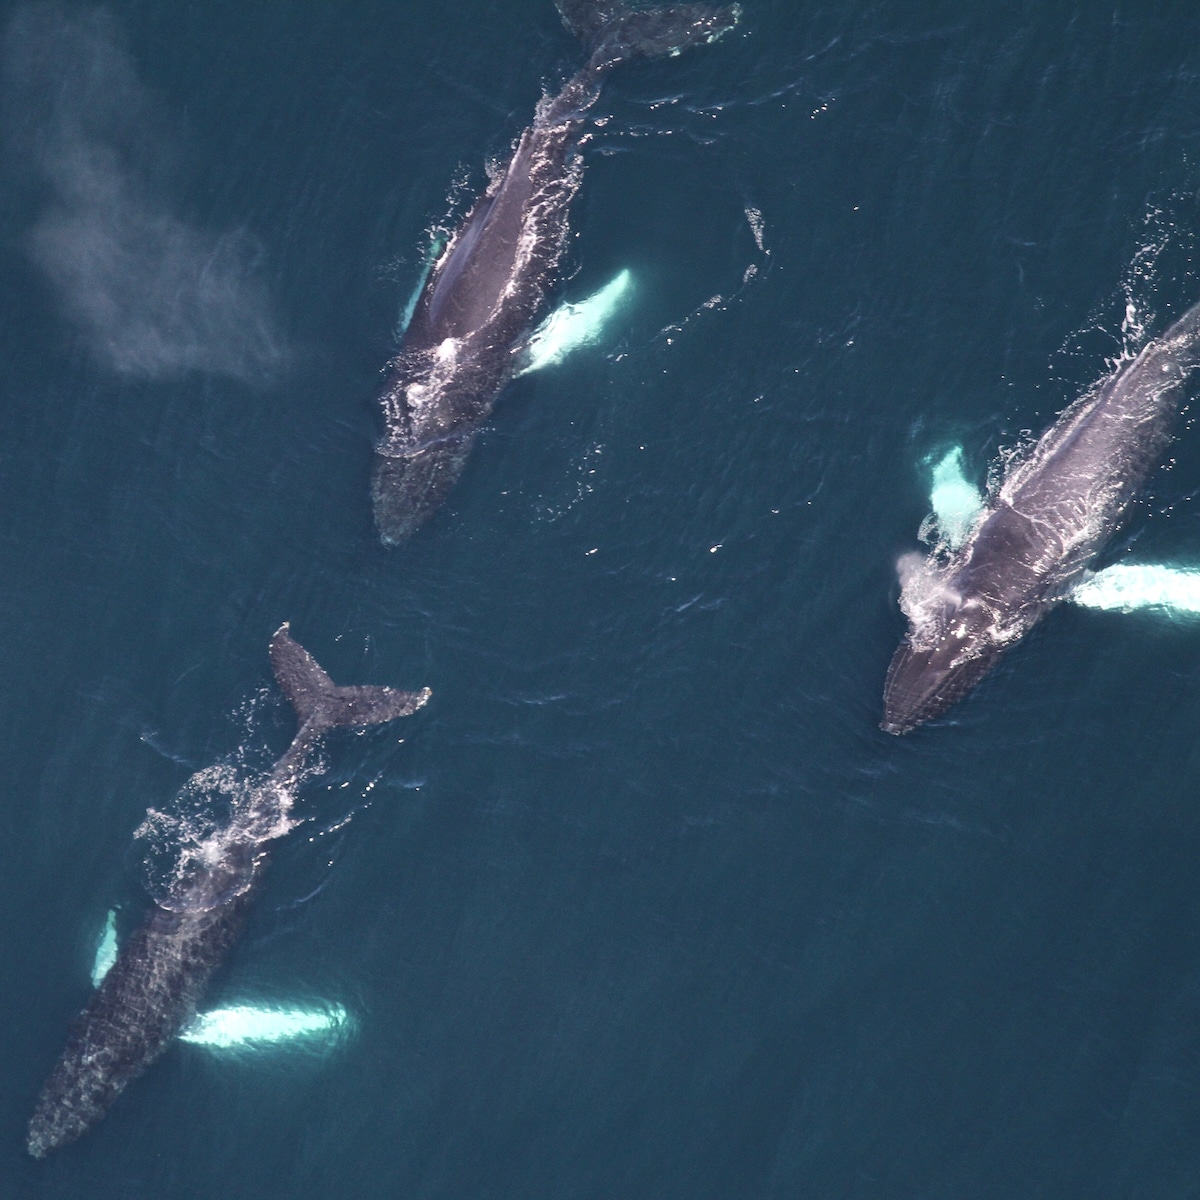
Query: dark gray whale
[[161, 973], [491, 280], [1052, 513]]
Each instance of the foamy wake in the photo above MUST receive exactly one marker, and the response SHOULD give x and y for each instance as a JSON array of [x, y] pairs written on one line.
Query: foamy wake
[[201, 851]]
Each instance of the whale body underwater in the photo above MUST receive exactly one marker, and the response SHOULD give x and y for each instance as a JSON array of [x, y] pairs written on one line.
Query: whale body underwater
[[1056, 506], [487, 287], [152, 989]]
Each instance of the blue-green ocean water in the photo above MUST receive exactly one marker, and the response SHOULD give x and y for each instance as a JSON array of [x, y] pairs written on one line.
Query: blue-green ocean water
[[643, 905]]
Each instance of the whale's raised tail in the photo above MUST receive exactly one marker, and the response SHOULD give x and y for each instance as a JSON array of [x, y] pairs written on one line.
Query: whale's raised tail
[[614, 31], [320, 704]]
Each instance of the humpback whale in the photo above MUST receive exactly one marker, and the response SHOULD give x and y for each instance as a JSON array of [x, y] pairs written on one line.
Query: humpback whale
[[1055, 507], [152, 989], [489, 283]]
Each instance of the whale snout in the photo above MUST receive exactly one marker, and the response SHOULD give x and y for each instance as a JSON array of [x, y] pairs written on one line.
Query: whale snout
[[923, 683], [407, 489]]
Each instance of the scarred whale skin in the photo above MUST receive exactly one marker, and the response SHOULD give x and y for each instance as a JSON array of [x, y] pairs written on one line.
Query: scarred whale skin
[[152, 990], [490, 282], [1054, 510]]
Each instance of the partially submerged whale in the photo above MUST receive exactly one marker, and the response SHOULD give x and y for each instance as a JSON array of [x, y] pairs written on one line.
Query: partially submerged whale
[[486, 289], [1052, 513], [152, 989]]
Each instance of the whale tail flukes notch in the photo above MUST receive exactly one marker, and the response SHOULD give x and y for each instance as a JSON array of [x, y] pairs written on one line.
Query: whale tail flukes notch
[[614, 31], [320, 704]]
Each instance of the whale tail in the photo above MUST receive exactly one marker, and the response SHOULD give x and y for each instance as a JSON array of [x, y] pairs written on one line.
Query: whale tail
[[320, 704], [615, 32]]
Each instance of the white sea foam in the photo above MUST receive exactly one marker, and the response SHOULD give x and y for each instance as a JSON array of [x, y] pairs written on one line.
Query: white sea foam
[[201, 848], [925, 597], [571, 326]]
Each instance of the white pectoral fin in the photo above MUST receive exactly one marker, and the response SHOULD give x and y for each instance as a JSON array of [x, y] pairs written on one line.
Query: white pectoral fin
[[106, 949], [571, 326], [247, 1026], [955, 501], [1129, 587]]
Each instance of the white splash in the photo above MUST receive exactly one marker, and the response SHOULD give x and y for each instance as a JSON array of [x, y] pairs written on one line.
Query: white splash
[[1126, 587], [106, 950], [956, 502], [250, 1025], [573, 325]]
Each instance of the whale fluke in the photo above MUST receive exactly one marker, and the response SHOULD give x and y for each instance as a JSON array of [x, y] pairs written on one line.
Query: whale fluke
[[615, 32], [320, 704]]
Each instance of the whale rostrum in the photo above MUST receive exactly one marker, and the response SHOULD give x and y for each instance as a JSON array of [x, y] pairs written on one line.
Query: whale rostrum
[[488, 285], [153, 988], [1055, 507]]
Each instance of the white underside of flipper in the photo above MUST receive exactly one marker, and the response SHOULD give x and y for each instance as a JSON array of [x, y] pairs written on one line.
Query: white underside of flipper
[[571, 326]]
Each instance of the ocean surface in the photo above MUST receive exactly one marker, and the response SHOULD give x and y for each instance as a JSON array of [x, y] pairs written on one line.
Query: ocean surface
[[643, 905]]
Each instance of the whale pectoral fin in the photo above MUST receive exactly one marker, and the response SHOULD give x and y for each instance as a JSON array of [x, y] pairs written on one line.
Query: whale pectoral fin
[[106, 949]]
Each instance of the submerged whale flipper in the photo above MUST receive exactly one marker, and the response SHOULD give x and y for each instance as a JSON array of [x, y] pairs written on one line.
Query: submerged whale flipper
[[616, 32], [321, 704]]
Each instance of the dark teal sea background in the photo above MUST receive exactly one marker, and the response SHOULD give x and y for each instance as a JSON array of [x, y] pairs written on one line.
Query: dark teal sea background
[[643, 906]]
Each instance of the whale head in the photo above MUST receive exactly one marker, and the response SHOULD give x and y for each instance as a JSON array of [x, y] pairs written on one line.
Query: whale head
[[408, 488], [924, 681], [954, 640]]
